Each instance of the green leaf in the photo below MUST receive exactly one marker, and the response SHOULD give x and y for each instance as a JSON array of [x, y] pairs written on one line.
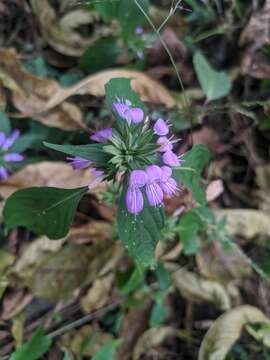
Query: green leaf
[[101, 55], [4, 123], [120, 88], [158, 314], [189, 227], [130, 281], [215, 84], [163, 277], [189, 174], [37, 346], [93, 152], [141, 233], [108, 351], [44, 210], [25, 141]]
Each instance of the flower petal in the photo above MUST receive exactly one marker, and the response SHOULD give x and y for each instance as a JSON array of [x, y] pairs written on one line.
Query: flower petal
[[78, 163], [161, 128], [154, 173], [3, 173], [13, 157], [2, 138], [134, 200], [154, 194], [165, 144], [170, 158], [169, 187], [134, 115], [138, 178], [10, 140], [120, 108], [166, 173], [102, 136]]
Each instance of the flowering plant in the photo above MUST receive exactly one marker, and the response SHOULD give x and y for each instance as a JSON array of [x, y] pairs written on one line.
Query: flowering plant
[[137, 154]]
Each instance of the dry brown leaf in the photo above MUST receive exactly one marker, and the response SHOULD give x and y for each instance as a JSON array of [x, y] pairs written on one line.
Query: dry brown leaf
[[197, 289], [98, 295], [214, 263], [151, 338], [227, 329], [60, 33], [30, 94], [74, 340], [214, 190], [47, 173], [14, 303], [247, 223], [147, 88]]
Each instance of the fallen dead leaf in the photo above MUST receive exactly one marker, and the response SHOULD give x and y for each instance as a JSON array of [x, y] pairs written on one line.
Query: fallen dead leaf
[[227, 329], [216, 264], [197, 289], [98, 295], [60, 33], [47, 173], [247, 223], [151, 338], [14, 302], [30, 94], [214, 190]]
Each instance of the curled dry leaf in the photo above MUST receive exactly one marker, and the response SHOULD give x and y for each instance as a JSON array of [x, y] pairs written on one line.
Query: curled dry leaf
[[30, 94], [98, 295], [227, 329], [61, 34], [151, 338], [197, 289], [74, 340], [214, 190], [246, 223], [54, 271], [47, 173], [214, 263]]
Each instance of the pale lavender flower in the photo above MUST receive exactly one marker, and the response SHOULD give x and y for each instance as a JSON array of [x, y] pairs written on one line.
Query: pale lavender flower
[[78, 162], [98, 178], [165, 144], [134, 196], [167, 183], [171, 159], [134, 115], [102, 136], [161, 128], [9, 141], [128, 113], [139, 30], [13, 157], [153, 190], [3, 173]]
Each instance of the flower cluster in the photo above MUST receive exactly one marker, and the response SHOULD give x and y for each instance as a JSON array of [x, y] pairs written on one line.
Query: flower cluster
[[6, 155], [144, 152]]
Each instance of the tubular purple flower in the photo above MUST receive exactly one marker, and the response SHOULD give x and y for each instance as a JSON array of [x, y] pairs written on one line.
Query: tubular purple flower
[[165, 144], [134, 115], [169, 186], [134, 200], [2, 138], [153, 190], [171, 159], [13, 157], [138, 178], [98, 178], [121, 108], [3, 173], [102, 136], [78, 163], [161, 128], [10, 140]]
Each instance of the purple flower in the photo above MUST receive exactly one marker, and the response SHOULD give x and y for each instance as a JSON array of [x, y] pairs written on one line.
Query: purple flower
[[3, 173], [98, 178], [167, 183], [102, 136], [134, 196], [78, 163], [171, 159], [161, 128], [2, 138], [129, 113], [165, 144], [12, 157], [139, 30], [9, 141], [134, 115], [153, 190]]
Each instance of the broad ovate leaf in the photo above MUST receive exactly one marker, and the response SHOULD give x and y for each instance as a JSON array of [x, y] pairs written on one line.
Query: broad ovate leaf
[[189, 174], [140, 233], [44, 210], [227, 329], [215, 84]]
